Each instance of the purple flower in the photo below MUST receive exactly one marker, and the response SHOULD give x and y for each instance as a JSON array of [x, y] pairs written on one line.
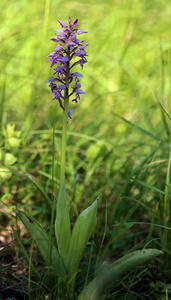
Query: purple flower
[[70, 111], [68, 53], [78, 92]]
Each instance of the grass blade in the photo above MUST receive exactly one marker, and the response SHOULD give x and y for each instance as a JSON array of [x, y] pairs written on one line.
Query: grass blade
[[24, 251], [150, 187], [139, 128]]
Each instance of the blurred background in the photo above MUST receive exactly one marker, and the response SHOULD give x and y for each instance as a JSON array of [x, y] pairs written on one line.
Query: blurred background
[[118, 141], [127, 77]]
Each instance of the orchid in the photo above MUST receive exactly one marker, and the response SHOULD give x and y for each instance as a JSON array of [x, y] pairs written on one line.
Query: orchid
[[67, 54], [63, 258]]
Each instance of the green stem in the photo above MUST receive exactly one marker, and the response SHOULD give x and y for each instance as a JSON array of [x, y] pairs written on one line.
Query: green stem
[[64, 127]]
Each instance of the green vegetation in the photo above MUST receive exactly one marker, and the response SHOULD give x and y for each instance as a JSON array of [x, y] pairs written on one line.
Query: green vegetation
[[118, 142]]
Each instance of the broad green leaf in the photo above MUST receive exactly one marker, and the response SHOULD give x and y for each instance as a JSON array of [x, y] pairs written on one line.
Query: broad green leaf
[[105, 278], [81, 233], [5, 174], [13, 142], [9, 131], [62, 224], [9, 159], [42, 241]]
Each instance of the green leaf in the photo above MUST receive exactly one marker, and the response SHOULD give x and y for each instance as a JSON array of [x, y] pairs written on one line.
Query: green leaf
[[1, 155], [151, 135], [105, 278], [62, 224], [42, 241], [150, 187], [5, 174], [9, 159], [81, 233], [13, 142], [28, 176], [24, 250]]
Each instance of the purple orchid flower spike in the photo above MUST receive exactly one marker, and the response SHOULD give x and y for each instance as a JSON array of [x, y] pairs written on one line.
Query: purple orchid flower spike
[[68, 53]]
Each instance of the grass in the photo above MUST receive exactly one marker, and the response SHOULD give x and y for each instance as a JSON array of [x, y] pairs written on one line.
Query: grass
[[118, 140]]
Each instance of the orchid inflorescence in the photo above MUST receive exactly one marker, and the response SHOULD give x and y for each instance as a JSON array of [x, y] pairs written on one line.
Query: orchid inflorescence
[[68, 49]]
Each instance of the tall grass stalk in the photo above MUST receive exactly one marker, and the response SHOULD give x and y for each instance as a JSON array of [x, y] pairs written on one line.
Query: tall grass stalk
[[166, 210]]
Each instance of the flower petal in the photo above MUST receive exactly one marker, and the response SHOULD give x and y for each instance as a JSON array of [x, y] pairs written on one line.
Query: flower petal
[[70, 112], [65, 59], [79, 91], [74, 23], [57, 69], [52, 54], [63, 24], [62, 86], [76, 74], [80, 31], [58, 47], [51, 79], [56, 39]]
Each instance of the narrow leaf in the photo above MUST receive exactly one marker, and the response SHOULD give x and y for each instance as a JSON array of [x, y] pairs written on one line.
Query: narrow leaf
[[151, 135], [24, 251], [150, 187], [81, 233], [39, 187], [42, 241], [105, 278], [62, 224]]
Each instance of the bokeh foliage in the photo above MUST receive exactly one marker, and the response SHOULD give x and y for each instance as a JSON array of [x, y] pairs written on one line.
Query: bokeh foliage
[[128, 74]]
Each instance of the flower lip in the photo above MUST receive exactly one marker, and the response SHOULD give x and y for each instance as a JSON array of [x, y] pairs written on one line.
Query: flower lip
[[58, 68], [80, 53], [65, 59], [76, 74], [80, 31], [62, 86], [71, 43], [79, 91], [70, 112], [51, 79]]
